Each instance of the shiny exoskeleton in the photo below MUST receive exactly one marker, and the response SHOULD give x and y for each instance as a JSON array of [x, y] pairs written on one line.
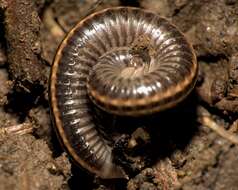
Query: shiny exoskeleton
[[127, 61]]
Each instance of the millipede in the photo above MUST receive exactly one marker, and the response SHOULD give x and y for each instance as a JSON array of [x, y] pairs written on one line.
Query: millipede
[[126, 61]]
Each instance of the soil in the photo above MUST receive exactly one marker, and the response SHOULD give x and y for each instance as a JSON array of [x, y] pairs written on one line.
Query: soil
[[197, 149]]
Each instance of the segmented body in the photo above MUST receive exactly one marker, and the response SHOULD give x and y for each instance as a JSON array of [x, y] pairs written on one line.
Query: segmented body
[[103, 60]]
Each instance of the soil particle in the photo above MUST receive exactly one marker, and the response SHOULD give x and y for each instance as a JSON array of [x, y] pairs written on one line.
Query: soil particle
[[218, 90], [5, 86], [214, 84], [217, 28], [40, 117]]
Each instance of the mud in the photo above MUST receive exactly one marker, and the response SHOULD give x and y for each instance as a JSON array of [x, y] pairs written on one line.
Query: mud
[[171, 150]]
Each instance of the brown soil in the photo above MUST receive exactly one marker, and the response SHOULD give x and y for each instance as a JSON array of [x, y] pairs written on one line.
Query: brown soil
[[192, 146]]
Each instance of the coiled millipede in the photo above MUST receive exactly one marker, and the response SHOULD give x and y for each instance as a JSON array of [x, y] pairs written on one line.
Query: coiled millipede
[[127, 61]]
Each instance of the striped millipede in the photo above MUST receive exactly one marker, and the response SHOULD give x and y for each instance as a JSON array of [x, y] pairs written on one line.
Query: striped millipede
[[127, 61]]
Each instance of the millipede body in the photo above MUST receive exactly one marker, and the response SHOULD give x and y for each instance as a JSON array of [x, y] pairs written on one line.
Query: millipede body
[[126, 61]]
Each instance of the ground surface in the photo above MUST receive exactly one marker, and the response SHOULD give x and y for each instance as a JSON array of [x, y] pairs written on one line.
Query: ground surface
[[196, 150]]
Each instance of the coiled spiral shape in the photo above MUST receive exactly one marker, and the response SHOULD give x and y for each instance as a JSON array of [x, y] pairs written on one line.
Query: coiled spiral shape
[[127, 61]]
